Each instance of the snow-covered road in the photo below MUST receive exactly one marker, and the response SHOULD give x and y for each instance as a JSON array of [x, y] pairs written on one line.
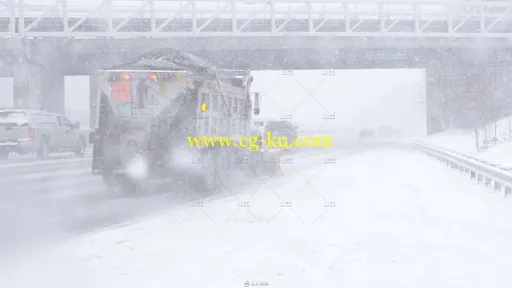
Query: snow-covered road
[[383, 217], [56, 198]]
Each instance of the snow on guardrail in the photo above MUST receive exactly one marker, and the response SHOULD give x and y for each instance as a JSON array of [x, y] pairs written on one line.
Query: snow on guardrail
[[496, 176]]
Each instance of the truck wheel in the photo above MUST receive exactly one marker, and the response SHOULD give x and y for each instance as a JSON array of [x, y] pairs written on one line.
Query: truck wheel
[[119, 184], [4, 154], [43, 150], [222, 167], [208, 179], [80, 150]]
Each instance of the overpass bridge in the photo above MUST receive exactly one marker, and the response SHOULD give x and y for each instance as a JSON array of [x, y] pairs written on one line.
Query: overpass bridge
[[257, 18], [45, 39]]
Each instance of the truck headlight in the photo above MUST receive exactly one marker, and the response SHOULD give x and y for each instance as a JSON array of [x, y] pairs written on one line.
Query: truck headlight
[[137, 167]]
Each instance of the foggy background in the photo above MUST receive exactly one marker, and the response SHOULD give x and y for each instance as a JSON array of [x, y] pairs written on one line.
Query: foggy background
[[352, 99], [329, 99], [76, 97]]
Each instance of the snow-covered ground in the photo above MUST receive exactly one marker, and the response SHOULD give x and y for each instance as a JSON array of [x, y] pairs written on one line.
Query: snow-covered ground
[[383, 218], [464, 142]]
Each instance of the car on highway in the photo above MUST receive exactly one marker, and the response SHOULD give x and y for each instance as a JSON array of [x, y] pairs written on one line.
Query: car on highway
[[387, 132], [367, 133], [283, 128], [32, 131]]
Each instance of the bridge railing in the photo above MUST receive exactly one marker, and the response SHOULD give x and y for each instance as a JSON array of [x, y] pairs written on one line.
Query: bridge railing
[[163, 18]]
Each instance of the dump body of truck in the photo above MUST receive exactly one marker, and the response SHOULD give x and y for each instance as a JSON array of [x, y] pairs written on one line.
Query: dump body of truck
[[147, 108]]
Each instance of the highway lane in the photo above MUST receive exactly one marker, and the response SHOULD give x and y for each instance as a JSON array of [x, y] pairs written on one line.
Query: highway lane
[[50, 200]]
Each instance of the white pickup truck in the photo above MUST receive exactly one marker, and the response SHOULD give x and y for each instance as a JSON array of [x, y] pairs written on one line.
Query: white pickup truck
[[40, 132]]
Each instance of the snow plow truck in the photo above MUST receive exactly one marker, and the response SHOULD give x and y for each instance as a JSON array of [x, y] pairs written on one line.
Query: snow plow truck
[[146, 111]]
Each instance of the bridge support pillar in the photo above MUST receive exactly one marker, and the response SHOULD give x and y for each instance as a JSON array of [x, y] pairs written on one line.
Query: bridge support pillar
[[38, 87], [38, 77], [93, 88], [435, 97]]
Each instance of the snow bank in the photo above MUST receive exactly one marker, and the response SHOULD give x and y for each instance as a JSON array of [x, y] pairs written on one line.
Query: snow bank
[[400, 220], [464, 142]]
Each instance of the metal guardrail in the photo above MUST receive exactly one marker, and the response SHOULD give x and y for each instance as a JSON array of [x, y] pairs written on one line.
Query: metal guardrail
[[490, 174]]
